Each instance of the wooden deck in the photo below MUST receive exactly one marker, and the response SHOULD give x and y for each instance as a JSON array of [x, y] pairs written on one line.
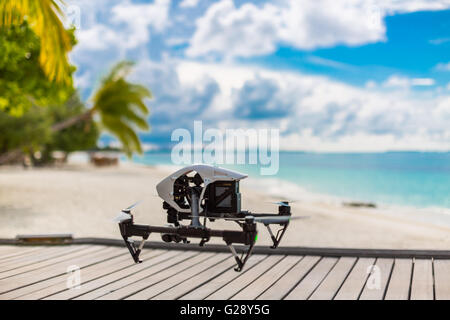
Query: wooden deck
[[107, 272]]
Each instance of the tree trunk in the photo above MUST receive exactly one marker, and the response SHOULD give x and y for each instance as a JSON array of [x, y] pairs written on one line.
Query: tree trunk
[[14, 154], [71, 121]]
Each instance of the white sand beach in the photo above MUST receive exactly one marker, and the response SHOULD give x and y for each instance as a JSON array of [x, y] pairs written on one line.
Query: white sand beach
[[83, 200]]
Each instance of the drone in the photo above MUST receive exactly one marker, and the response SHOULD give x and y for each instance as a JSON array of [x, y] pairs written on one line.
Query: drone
[[202, 193]]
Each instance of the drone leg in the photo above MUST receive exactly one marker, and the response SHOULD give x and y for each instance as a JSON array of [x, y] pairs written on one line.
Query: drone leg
[[276, 239], [135, 251], [240, 262]]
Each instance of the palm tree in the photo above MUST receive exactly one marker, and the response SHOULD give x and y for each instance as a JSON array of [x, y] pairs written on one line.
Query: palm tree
[[44, 18], [120, 107]]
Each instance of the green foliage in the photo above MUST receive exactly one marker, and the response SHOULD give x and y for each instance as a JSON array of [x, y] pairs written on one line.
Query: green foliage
[[28, 132], [30, 103], [32, 131], [121, 107], [22, 80], [83, 135], [45, 19]]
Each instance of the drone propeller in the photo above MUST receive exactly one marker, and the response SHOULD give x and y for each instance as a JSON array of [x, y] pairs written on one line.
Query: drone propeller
[[284, 203], [122, 216], [132, 206], [125, 213]]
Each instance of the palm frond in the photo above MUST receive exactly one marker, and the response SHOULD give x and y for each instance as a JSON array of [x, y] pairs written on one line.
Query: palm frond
[[121, 107], [44, 18]]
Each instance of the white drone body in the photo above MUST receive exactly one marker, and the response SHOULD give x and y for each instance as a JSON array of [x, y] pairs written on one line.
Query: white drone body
[[208, 192], [209, 174]]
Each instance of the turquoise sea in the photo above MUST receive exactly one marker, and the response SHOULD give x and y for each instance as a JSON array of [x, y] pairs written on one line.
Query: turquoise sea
[[413, 179]]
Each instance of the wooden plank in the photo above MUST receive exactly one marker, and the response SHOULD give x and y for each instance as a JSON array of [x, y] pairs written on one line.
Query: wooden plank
[[196, 281], [181, 278], [215, 284], [298, 251], [15, 252], [442, 279], [284, 285], [334, 280], [56, 279], [136, 273], [376, 284], [312, 280], [264, 282], [40, 274], [400, 283], [62, 256], [43, 254], [247, 278], [354, 284], [422, 280], [6, 250], [170, 270]]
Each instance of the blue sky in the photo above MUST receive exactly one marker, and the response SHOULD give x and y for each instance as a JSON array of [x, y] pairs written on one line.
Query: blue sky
[[347, 75]]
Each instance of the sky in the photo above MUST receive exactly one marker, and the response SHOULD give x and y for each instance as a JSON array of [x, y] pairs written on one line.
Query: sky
[[332, 76]]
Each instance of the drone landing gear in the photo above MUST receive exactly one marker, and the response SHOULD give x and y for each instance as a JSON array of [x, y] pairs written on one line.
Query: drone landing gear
[[242, 259], [246, 237], [276, 239]]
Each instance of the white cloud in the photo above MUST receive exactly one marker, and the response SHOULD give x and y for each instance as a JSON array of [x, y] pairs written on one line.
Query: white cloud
[[439, 41], [443, 66], [250, 30], [97, 37], [312, 112], [223, 27], [128, 27], [189, 3], [404, 82], [141, 16]]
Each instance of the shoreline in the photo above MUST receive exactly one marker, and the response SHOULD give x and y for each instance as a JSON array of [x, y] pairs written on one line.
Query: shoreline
[[83, 200]]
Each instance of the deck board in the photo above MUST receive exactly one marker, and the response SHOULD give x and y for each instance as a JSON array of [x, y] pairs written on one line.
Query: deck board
[[215, 284], [268, 279], [14, 253], [356, 280], [377, 282], [442, 279], [282, 287], [181, 277], [334, 280], [232, 288], [197, 281], [108, 273], [42, 255], [56, 278], [105, 287], [422, 280], [308, 284], [400, 282], [121, 278]]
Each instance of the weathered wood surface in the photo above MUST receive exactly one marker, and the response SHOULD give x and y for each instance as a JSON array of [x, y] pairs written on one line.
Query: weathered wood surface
[[106, 272]]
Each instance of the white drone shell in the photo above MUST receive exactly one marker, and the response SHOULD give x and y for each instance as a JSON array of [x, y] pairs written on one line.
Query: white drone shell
[[209, 175]]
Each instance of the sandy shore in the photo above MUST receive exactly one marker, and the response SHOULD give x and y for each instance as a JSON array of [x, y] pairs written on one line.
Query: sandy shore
[[83, 201]]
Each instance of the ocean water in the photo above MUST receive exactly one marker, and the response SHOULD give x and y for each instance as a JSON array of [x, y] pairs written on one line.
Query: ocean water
[[412, 179]]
